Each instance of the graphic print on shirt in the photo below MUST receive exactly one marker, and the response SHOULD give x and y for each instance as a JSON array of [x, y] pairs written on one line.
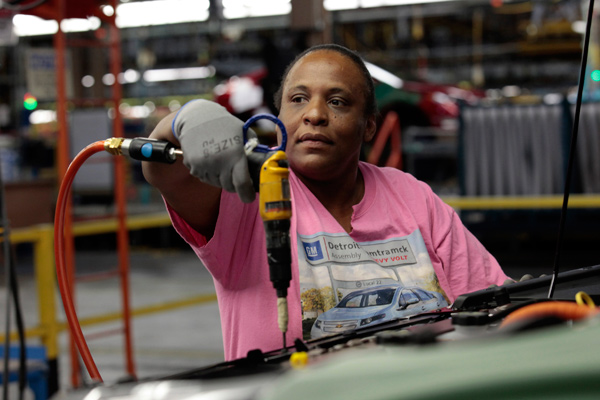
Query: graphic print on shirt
[[346, 285]]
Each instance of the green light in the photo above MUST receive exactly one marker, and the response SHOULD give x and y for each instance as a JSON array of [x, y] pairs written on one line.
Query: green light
[[596, 75], [29, 102]]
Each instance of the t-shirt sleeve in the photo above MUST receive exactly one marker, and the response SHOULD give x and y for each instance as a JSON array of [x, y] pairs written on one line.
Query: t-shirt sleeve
[[466, 264], [234, 229]]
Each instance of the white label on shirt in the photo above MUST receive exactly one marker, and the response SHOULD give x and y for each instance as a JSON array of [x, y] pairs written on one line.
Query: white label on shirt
[[325, 248]]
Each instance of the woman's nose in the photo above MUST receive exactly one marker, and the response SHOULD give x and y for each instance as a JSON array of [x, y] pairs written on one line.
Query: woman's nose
[[316, 112]]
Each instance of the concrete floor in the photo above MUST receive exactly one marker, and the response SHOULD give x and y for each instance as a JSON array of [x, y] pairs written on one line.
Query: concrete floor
[[164, 343]]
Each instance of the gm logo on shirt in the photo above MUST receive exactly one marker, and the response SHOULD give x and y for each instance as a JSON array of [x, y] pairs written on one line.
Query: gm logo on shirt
[[313, 250]]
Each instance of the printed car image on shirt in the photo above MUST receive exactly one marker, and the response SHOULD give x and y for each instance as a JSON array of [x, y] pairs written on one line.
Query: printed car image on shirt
[[375, 305]]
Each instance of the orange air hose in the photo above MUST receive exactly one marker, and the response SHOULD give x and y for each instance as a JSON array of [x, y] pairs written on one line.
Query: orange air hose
[[59, 255], [564, 310]]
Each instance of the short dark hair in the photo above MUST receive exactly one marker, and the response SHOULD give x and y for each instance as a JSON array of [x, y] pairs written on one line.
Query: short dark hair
[[370, 102]]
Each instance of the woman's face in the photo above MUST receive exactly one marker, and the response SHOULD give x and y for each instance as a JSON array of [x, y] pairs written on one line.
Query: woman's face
[[323, 110]]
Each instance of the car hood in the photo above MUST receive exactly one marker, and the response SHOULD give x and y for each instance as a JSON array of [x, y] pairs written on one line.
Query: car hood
[[337, 314]]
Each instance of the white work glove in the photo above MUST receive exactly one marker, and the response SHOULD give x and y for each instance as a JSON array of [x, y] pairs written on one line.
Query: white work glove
[[213, 147]]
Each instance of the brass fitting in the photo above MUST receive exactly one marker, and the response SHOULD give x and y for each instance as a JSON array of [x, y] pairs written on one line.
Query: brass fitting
[[113, 146]]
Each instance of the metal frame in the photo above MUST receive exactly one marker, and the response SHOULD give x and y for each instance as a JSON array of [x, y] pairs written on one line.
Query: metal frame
[[59, 10]]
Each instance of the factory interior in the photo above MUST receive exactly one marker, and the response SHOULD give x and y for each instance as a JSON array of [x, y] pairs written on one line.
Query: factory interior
[[495, 104]]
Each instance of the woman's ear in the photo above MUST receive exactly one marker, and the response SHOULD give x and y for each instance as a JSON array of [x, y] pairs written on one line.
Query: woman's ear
[[370, 128]]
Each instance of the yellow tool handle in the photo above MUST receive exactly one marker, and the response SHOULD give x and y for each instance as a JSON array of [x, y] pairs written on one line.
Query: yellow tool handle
[[274, 194]]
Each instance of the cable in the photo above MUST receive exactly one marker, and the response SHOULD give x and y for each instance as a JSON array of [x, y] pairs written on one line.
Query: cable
[[8, 273], [569, 173], [12, 290], [564, 310], [139, 149], [61, 272]]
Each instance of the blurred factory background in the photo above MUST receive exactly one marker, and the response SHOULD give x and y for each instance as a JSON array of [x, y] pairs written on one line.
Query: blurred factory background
[[476, 97]]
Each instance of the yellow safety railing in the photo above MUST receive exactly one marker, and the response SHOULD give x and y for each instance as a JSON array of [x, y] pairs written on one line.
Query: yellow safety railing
[[521, 202], [42, 238]]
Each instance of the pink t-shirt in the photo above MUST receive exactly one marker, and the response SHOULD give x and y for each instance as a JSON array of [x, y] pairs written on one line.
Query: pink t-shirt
[[403, 236]]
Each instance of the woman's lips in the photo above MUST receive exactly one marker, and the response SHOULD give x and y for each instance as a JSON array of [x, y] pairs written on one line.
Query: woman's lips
[[314, 139]]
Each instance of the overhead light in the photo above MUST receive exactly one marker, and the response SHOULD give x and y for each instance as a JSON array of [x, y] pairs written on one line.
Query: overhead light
[[332, 5], [80, 24], [175, 74], [161, 12], [30, 25], [409, 2], [42, 117], [129, 15], [384, 76], [259, 8]]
